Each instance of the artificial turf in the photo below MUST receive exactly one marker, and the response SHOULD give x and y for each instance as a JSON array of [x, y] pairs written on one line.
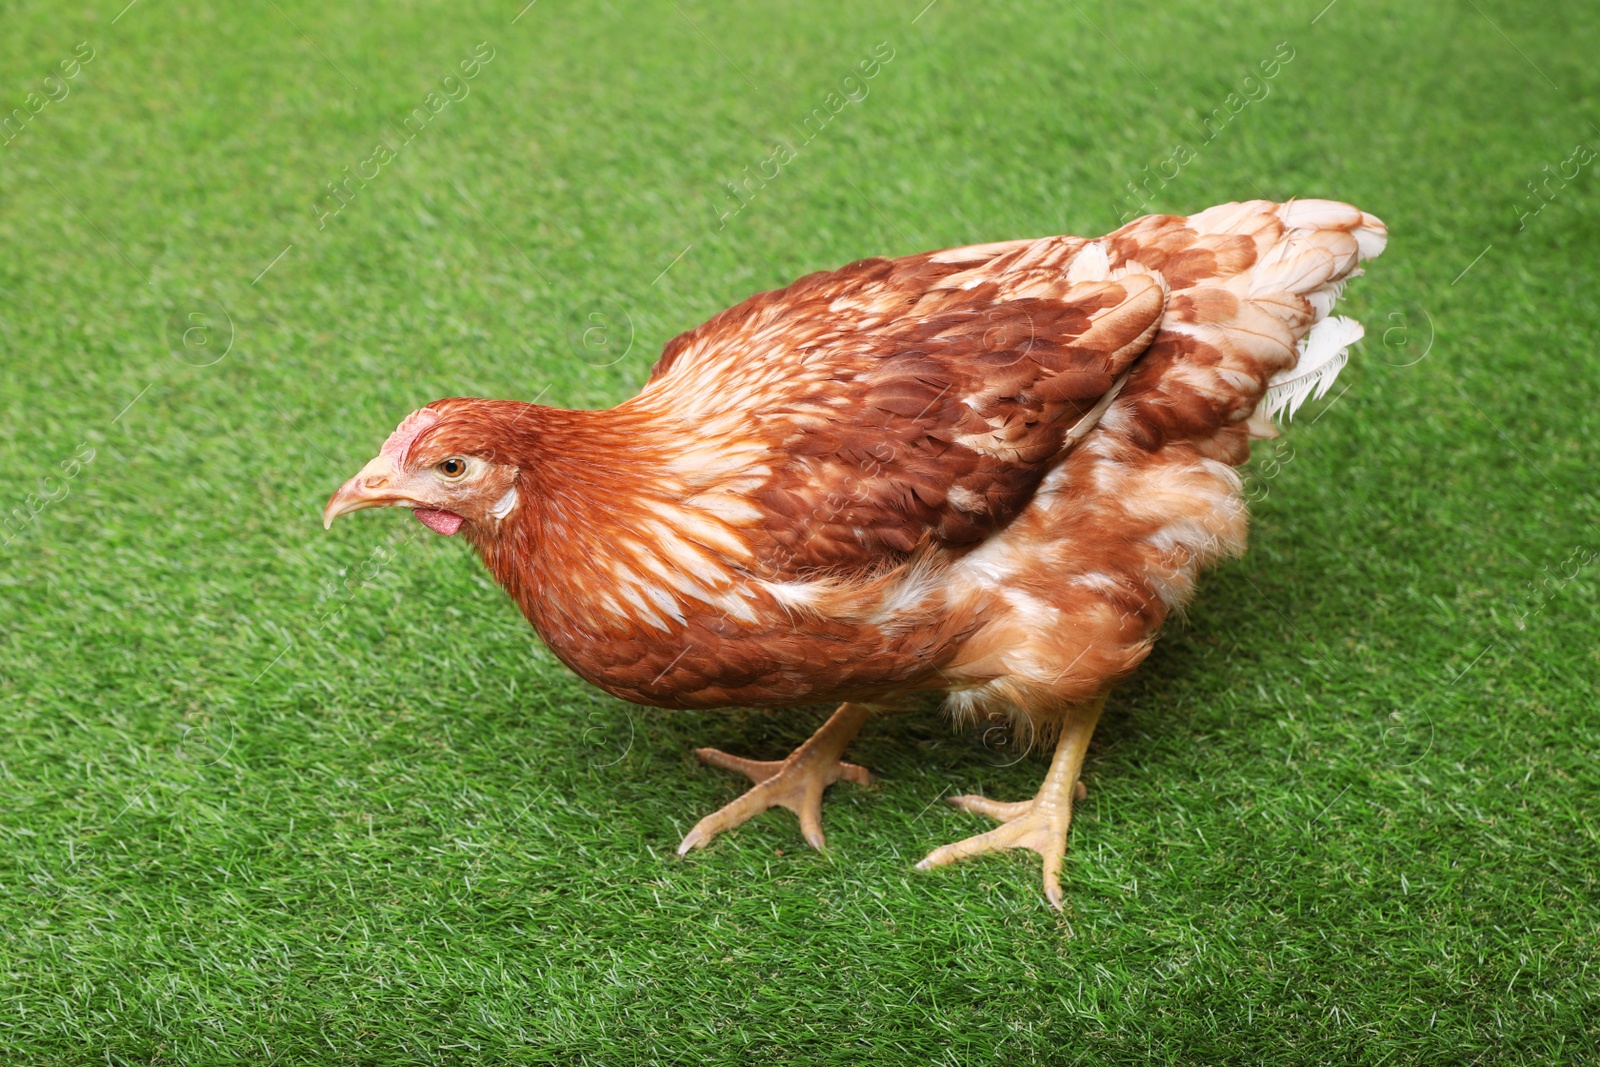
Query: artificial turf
[[275, 795]]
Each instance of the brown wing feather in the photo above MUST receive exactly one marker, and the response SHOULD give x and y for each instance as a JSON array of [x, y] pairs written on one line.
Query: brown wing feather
[[898, 402]]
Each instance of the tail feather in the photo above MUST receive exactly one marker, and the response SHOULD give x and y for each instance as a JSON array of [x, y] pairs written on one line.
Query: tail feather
[[1323, 354], [1247, 332]]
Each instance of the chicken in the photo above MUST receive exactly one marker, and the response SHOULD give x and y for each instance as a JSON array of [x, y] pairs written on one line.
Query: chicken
[[990, 472]]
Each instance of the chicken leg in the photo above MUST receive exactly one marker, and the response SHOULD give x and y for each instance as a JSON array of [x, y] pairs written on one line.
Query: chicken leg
[[1041, 823], [795, 783]]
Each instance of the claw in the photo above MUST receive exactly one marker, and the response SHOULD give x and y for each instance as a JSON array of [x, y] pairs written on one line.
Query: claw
[[1039, 824], [795, 783]]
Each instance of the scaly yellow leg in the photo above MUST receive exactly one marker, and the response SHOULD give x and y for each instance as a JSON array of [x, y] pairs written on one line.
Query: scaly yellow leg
[[1041, 823], [795, 783]]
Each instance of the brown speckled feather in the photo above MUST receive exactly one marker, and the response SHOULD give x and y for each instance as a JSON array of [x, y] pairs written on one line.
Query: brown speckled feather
[[902, 402]]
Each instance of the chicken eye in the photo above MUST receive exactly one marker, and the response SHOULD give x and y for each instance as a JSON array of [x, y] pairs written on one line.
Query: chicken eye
[[454, 467]]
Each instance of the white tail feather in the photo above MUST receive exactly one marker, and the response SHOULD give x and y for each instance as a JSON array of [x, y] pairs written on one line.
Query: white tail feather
[[1323, 353]]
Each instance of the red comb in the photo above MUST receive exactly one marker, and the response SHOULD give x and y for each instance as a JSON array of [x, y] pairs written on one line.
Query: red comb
[[412, 425]]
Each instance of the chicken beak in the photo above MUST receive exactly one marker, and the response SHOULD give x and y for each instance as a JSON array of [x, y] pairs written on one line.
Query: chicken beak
[[375, 486]]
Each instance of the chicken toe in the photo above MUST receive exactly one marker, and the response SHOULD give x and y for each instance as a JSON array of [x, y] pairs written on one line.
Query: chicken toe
[[795, 783], [1039, 824]]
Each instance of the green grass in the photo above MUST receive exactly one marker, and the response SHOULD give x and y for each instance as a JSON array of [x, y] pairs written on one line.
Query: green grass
[[275, 795]]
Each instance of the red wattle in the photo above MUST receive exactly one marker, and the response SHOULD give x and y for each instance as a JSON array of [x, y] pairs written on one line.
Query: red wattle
[[440, 522]]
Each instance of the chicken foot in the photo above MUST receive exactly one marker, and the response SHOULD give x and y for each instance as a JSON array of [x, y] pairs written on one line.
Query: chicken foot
[[795, 783], [1041, 823]]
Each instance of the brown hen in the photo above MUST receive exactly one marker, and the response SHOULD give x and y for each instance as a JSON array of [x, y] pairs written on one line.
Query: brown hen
[[989, 472]]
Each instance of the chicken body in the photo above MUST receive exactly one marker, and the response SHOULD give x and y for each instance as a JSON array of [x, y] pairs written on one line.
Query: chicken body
[[989, 472]]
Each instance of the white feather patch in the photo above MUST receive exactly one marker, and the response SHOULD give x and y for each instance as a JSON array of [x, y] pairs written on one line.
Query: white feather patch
[[1323, 299], [1318, 215], [1323, 353], [1091, 264], [503, 506], [1370, 239], [795, 594], [642, 611]]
